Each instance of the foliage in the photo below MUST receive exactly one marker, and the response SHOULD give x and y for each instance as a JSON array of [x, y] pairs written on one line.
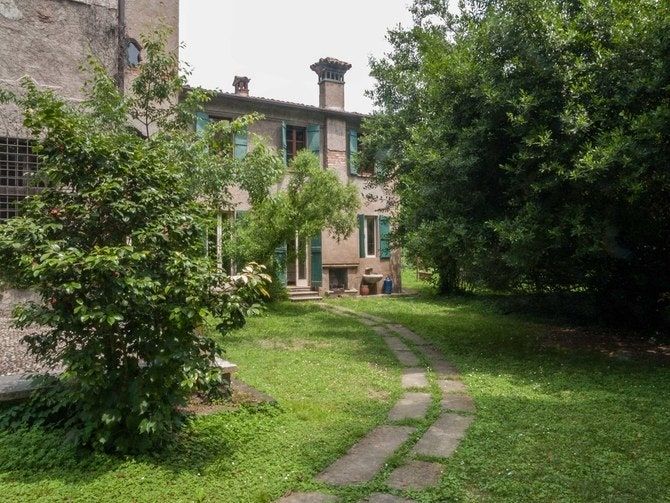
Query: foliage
[[309, 200], [529, 146], [297, 354], [551, 425], [113, 245]]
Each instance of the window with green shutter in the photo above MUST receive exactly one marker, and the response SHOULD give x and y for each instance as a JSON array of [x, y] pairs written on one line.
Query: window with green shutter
[[361, 236], [240, 144], [384, 237], [353, 152], [314, 139], [201, 121], [283, 142]]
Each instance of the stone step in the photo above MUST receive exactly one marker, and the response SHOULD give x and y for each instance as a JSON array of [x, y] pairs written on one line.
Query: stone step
[[442, 439], [410, 406], [416, 475], [362, 462], [304, 298], [414, 377]]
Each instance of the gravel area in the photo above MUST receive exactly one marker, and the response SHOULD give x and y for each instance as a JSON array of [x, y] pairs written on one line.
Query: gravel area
[[13, 356]]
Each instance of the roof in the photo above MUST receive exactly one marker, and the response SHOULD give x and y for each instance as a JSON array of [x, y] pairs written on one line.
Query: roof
[[271, 101]]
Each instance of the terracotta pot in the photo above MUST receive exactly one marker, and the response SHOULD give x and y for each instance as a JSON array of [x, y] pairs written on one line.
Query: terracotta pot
[[365, 289]]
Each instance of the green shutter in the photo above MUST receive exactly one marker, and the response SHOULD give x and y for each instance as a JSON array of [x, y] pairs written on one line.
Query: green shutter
[[317, 265], [283, 142], [361, 236], [384, 237], [353, 151], [314, 138], [280, 264], [201, 122], [240, 141]]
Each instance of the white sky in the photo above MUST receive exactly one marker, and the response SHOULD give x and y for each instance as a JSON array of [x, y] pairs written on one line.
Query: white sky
[[273, 43]]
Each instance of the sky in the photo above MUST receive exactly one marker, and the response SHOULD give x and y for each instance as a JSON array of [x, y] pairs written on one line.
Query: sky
[[274, 43]]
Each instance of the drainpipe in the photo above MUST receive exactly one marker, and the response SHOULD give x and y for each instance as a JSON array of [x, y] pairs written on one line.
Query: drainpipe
[[121, 43]]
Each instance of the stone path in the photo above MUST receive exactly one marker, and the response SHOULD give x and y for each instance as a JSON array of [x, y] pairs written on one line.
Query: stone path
[[367, 457]]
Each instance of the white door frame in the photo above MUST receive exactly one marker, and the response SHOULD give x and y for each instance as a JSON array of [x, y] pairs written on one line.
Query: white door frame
[[301, 264]]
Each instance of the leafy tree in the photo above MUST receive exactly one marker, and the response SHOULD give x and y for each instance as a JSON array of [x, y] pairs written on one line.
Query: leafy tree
[[529, 146], [113, 245], [309, 200]]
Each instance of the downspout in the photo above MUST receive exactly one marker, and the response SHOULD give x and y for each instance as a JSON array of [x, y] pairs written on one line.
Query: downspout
[[121, 43]]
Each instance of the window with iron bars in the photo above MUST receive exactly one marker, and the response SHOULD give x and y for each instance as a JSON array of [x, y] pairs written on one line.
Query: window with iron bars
[[17, 163]]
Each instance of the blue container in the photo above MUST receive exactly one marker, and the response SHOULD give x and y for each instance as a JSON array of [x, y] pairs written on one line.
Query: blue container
[[388, 285]]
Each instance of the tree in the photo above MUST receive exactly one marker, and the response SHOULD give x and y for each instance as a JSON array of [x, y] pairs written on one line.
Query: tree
[[529, 146], [309, 200], [113, 245]]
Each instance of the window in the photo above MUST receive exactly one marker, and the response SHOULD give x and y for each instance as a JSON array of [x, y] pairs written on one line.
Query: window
[[9, 206], [17, 162], [370, 236], [240, 139], [359, 165], [133, 52], [374, 233], [296, 140]]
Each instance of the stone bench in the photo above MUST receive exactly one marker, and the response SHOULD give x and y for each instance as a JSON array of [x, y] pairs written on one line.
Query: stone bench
[[18, 387]]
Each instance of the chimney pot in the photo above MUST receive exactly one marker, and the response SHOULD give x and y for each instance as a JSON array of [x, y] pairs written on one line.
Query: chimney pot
[[241, 85], [331, 82]]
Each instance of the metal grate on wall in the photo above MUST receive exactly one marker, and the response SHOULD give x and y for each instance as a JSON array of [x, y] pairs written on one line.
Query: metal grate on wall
[[17, 163]]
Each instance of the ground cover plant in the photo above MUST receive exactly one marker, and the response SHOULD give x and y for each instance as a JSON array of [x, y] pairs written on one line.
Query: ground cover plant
[[333, 380], [554, 422]]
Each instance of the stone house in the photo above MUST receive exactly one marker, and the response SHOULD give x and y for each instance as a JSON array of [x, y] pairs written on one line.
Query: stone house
[[333, 134], [48, 40]]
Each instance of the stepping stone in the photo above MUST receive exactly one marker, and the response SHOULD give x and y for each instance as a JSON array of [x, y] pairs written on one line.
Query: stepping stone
[[458, 401], [451, 386], [414, 377], [308, 498], [444, 369], [409, 335], [442, 439], [407, 358], [366, 458], [410, 406], [386, 498], [416, 475]]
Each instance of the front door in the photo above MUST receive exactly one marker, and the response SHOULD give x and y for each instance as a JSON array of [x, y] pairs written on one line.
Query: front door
[[297, 271], [301, 262]]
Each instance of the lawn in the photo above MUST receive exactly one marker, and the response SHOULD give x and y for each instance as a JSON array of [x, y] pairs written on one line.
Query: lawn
[[333, 381], [551, 425]]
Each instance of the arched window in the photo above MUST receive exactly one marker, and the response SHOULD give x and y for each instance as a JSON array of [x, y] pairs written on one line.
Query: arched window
[[133, 51]]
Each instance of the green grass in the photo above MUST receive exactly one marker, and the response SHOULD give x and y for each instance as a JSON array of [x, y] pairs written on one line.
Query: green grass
[[334, 380], [551, 425]]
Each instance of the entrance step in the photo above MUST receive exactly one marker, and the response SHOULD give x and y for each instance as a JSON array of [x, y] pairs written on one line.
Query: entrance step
[[302, 293]]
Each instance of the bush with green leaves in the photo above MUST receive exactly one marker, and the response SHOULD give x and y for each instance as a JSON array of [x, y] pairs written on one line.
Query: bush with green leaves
[[113, 244], [528, 145]]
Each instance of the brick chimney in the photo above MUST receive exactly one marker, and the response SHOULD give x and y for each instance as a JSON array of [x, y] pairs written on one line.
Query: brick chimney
[[241, 85], [331, 82]]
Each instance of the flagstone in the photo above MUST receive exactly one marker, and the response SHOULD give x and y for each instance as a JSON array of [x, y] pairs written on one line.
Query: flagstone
[[410, 406], [416, 475], [362, 462], [443, 437], [414, 377]]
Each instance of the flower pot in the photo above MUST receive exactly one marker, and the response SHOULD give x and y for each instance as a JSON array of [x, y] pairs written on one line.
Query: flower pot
[[365, 289]]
